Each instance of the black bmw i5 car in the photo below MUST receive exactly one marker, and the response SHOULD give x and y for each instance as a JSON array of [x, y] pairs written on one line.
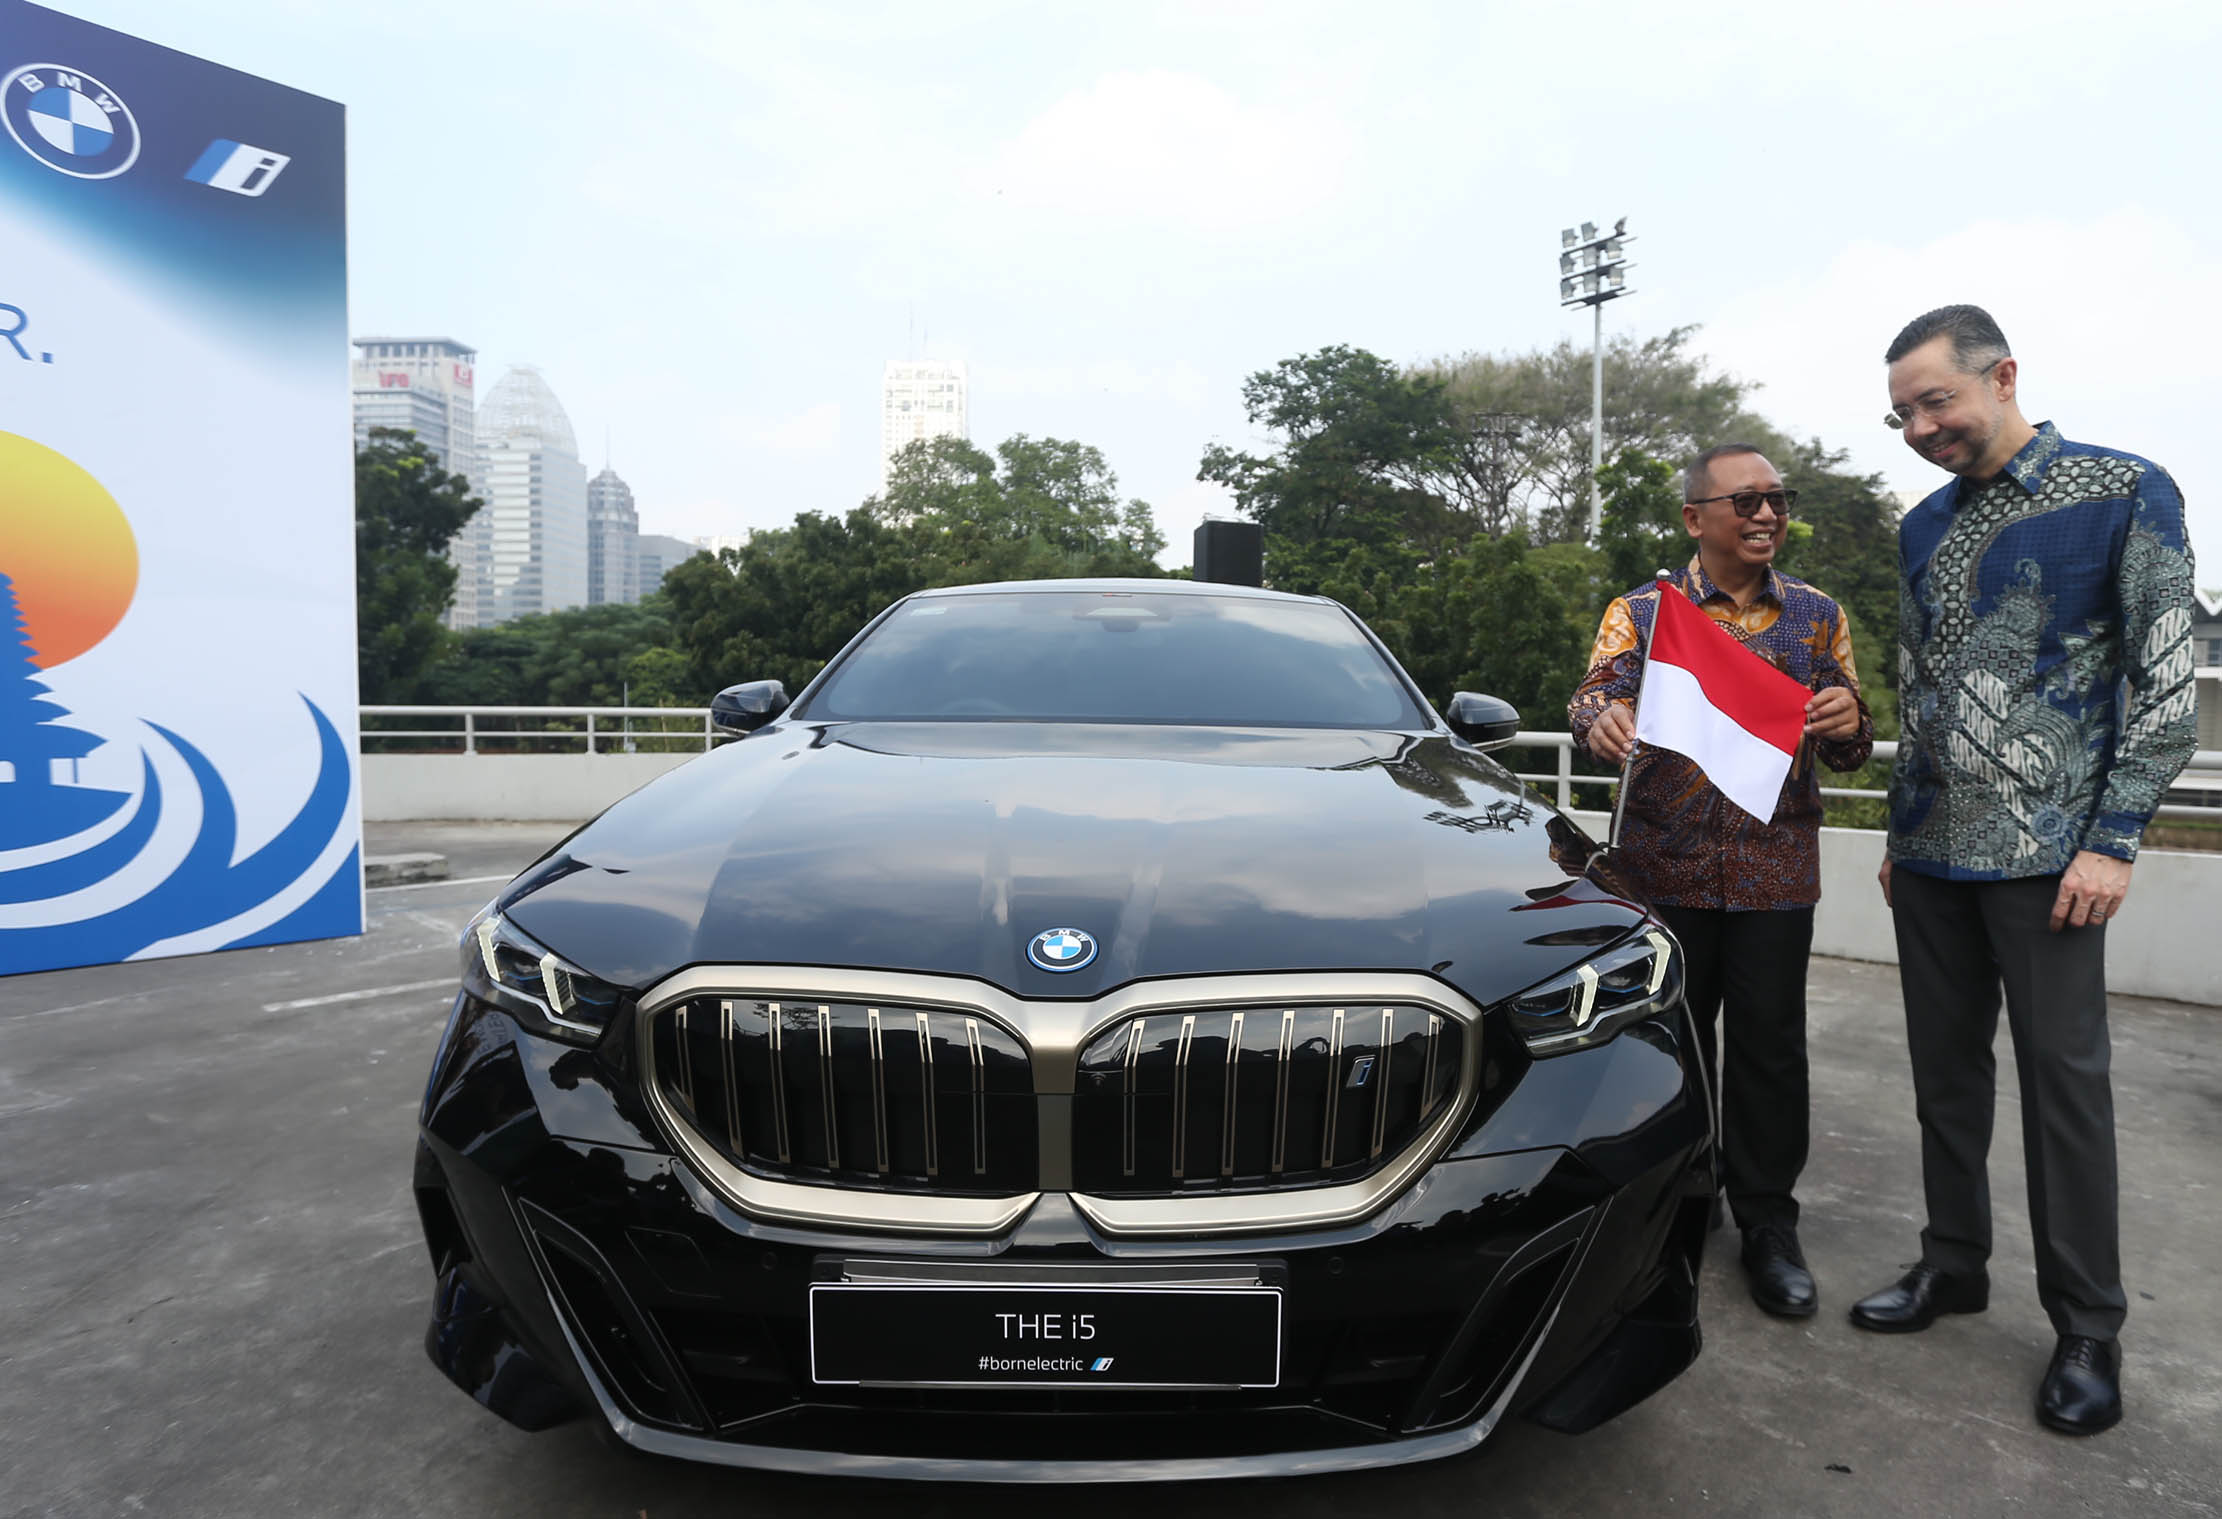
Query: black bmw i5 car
[[1097, 1029]]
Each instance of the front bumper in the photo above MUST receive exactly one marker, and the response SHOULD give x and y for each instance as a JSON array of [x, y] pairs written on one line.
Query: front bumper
[[1545, 1266]]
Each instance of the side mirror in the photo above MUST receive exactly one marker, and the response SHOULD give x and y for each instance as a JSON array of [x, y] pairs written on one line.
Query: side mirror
[[1483, 721], [744, 709]]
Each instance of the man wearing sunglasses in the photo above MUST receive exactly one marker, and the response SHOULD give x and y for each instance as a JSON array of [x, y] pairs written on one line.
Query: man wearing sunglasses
[[2033, 587], [1738, 893]]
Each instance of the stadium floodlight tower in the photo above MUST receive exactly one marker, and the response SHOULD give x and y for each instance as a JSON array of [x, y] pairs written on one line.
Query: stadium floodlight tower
[[1591, 271]]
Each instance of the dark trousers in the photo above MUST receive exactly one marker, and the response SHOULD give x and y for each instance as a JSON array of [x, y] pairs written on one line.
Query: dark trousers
[[1746, 971], [1958, 943]]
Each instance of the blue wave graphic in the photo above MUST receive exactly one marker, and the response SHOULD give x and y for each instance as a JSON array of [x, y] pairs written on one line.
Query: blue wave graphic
[[206, 888], [58, 878]]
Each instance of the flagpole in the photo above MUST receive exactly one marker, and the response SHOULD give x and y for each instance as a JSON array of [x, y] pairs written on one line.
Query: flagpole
[[1665, 585]]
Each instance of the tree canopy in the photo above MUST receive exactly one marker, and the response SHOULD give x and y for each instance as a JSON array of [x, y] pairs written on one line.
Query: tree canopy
[[407, 508]]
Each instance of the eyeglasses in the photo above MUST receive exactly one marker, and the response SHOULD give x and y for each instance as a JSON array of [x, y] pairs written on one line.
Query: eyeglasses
[[1747, 502], [1930, 406]]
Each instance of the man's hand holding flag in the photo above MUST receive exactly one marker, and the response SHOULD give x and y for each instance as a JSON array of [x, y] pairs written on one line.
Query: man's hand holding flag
[[1707, 697]]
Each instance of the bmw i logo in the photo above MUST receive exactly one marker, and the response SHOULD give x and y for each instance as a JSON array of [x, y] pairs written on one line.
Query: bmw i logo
[[69, 121], [1061, 949]]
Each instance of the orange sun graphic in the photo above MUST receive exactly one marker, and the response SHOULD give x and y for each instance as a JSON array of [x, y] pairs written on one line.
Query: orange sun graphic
[[65, 545]]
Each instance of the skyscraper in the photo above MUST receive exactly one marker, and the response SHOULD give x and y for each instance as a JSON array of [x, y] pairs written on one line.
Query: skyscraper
[[423, 384], [612, 541], [530, 539], [660, 553], [920, 398]]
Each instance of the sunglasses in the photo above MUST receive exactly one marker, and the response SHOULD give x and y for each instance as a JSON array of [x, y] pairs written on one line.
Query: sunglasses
[[1747, 502]]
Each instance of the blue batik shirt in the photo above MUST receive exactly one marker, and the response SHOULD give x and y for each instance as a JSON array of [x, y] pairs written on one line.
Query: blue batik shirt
[[2045, 681]]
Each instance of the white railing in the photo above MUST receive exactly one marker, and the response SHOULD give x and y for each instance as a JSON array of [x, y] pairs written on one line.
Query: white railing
[[606, 730], [604, 727], [2202, 774]]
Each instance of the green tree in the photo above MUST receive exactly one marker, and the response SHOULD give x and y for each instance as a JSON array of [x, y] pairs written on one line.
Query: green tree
[[1640, 530], [1526, 417], [952, 514], [1359, 442], [407, 508]]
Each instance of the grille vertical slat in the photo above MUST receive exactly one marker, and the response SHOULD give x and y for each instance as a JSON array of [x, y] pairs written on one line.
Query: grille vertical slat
[[1131, 1127], [686, 1059], [1381, 1082], [926, 1093], [778, 1058], [825, 1087], [1427, 1076], [879, 1091], [1226, 1118], [1334, 1092], [1282, 1060], [979, 1098], [1180, 1096], [727, 1052]]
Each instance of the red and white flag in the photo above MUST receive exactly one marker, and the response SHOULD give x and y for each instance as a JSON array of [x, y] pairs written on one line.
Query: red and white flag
[[1708, 697]]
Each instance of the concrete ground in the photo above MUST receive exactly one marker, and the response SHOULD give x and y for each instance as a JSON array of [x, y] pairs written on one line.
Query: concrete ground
[[213, 1292]]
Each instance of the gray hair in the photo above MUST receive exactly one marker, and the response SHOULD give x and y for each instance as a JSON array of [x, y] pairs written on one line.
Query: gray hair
[[1697, 475], [1977, 343]]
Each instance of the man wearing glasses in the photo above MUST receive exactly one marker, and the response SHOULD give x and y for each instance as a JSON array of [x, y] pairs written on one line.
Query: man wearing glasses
[[1738, 893], [2032, 587]]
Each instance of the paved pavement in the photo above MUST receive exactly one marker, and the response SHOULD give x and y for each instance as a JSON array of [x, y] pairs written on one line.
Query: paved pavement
[[213, 1293]]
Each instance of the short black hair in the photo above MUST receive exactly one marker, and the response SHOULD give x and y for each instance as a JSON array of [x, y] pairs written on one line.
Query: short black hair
[[1976, 341], [1697, 475]]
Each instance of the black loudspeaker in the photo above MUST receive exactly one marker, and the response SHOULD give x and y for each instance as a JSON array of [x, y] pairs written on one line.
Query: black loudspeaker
[[1230, 553]]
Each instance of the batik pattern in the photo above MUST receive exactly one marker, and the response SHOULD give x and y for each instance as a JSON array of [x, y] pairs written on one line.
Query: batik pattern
[[2026, 606], [1685, 843]]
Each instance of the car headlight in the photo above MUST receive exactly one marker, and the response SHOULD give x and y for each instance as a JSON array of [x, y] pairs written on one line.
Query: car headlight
[[1601, 996], [547, 993]]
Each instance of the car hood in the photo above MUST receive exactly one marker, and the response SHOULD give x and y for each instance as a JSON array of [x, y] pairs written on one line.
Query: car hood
[[945, 848]]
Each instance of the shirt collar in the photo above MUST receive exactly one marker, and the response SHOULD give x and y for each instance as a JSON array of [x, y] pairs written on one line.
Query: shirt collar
[[2028, 466], [1703, 589]]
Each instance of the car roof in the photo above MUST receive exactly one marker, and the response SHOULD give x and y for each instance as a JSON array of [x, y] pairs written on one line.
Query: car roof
[[1109, 585]]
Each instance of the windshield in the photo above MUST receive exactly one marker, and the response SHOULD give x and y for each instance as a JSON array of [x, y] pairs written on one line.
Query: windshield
[[1122, 657]]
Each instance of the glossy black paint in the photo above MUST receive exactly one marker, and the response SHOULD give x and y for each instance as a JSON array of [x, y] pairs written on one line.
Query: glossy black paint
[[1546, 1262], [944, 847], [1401, 1329], [747, 707], [1480, 719]]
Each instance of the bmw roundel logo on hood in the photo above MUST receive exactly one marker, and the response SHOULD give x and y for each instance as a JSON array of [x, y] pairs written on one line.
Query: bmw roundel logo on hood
[[1061, 949]]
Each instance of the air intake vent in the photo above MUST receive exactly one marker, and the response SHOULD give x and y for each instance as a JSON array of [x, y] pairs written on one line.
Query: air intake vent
[[1258, 1098]]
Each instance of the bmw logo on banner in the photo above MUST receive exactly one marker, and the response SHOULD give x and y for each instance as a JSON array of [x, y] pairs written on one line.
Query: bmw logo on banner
[[1061, 949], [69, 121]]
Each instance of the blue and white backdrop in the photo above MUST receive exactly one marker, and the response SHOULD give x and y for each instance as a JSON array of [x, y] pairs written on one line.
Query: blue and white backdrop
[[177, 632]]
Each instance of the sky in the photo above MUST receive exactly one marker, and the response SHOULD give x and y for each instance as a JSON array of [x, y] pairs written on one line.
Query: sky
[[710, 223]]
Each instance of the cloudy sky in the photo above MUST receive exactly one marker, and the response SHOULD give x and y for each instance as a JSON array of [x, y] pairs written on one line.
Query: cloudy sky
[[711, 223]]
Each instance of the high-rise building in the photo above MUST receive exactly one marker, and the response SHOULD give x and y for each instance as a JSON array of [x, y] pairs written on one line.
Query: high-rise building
[[660, 553], [530, 539], [423, 384], [612, 541], [920, 398], [426, 385], [718, 543]]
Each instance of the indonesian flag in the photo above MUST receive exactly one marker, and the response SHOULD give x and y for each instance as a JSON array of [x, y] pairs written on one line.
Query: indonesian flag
[[1706, 696]]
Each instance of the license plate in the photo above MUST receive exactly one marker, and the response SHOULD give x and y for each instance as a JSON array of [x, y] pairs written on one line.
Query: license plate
[[868, 1334]]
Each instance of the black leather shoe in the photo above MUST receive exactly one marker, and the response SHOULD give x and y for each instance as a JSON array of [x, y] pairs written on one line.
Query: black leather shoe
[[1779, 1281], [2082, 1391], [1913, 1301]]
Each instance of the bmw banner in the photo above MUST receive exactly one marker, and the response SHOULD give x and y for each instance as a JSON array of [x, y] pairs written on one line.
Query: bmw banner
[[177, 586]]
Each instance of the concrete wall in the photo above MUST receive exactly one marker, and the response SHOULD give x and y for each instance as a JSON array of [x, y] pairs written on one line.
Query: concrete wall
[[520, 788], [2159, 947]]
